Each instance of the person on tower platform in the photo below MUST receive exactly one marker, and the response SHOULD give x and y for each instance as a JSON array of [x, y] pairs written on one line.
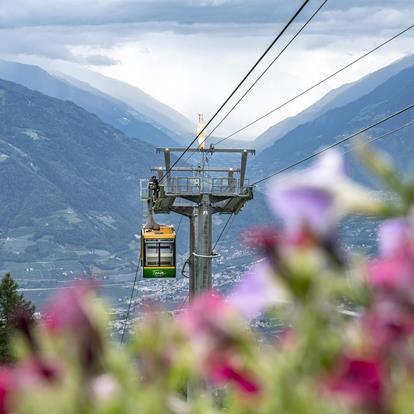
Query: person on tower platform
[[155, 187]]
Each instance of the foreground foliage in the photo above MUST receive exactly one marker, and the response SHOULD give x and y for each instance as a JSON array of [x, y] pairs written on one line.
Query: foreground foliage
[[347, 348]]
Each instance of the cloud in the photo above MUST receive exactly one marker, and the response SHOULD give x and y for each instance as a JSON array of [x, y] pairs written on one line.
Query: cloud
[[21, 13], [103, 12], [182, 51], [53, 29], [99, 60]]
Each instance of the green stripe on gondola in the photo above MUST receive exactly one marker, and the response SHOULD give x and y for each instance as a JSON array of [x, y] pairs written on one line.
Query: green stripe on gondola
[[157, 273]]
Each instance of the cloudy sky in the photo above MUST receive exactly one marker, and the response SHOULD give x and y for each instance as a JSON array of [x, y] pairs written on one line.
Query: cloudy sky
[[191, 53]]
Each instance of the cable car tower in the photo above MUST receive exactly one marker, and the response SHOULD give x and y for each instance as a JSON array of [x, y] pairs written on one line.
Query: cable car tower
[[197, 193]]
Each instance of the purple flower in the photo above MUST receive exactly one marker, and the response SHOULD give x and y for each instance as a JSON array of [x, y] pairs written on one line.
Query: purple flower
[[256, 292], [395, 238], [318, 196], [304, 207]]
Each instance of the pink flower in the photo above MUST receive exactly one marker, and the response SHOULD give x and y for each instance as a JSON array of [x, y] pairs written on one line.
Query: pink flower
[[6, 388], [393, 272], [388, 324], [392, 275], [208, 321], [215, 332], [70, 313], [33, 372], [360, 382], [256, 292], [68, 310]]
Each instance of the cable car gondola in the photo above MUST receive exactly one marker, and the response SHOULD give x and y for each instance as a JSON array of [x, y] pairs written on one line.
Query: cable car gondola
[[158, 256]]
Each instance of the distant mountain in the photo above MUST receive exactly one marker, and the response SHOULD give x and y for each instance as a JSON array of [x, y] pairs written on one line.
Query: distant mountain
[[334, 99], [69, 182], [134, 97], [391, 96], [116, 113]]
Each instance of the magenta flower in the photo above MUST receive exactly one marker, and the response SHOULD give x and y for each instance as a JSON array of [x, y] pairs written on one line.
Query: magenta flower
[[318, 196], [6, 388], [215, 333], [360, 382], [392, 275], [393, 272], [388, 324], [225, 373], [256, 292]]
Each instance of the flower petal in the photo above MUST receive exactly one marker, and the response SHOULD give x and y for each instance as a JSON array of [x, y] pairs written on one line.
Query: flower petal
[[256, 292]]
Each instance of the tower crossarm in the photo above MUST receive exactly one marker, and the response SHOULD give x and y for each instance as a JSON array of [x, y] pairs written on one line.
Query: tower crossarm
[[210, 150]]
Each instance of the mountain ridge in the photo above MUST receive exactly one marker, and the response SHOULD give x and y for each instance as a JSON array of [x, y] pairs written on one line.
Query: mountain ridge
[[112, 111], [135, 98], [389, 97], [334, 99], [69, 181]]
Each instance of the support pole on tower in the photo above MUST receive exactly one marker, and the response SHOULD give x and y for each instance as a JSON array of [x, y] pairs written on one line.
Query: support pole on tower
[[198, 193]]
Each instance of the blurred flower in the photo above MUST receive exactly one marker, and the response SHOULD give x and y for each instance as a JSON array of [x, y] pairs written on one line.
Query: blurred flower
[[218, 338], [264, 238], [391, 275], [360, 382], [71, 312], [208, 318], [6, 387], [395, 238], [104, 387], [388, 324], [224, 373], [257, 291], [318, 196], [34, 372], [68, 310], [393, 271]]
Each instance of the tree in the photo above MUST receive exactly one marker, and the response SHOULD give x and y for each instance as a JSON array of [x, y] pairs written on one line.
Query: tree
[[11, 301]]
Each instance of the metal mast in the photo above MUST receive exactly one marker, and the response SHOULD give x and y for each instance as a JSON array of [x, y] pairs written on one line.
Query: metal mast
[[198, 193]]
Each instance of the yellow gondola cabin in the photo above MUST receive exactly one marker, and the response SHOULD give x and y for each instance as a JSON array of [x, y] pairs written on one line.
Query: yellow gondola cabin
[[158, 253]]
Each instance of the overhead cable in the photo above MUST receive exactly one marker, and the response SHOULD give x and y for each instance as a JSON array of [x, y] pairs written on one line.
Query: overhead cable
[[130, 305], [223, 231], [292, 19], [394, 131], [341, 141], [332, 75], [269, 66]]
